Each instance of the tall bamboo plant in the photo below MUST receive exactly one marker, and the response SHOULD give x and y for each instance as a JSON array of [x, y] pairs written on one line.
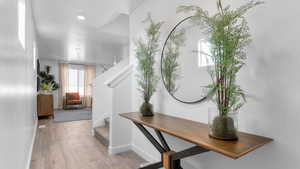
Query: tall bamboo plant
[[146, 51], [228, 34], [170, 65]]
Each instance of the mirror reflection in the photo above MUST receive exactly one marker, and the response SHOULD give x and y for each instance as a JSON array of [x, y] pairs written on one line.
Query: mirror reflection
[[186, 60]]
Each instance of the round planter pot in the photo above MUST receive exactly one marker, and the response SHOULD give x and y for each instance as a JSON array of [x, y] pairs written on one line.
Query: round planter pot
[[146, 109], [223, 127]]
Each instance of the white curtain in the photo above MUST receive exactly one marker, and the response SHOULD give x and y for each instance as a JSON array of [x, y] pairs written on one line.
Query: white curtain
[[64, 83], [89, 76]]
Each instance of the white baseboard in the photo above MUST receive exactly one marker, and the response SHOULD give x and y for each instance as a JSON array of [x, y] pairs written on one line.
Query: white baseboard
[[137, 150], [150, 158], [32, 145], [119, 149]]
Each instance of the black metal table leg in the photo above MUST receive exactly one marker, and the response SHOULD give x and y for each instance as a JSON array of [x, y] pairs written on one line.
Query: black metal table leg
[[150, 138], [189, 152], [176, 164], [162, 140], [173, 159]]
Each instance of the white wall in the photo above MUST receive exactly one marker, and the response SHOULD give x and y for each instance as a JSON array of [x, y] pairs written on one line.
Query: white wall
[[124, 52], [99, 70], [121, 52], [55, 71], [271, 77], [106, 53], [120, 128], [17, 89]]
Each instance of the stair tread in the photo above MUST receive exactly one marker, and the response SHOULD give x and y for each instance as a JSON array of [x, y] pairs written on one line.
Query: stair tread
[[102, 134]]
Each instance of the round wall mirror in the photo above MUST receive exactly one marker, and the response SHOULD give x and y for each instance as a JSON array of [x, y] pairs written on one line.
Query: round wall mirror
[[185, 63]]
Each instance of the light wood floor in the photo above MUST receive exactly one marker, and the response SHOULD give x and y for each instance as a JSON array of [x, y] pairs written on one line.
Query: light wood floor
[[71, 146]]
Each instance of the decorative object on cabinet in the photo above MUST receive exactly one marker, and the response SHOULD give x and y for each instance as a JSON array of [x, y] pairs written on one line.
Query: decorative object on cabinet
[[48, 84], [192, 132], [228, 35], [45, 105], [145, 53]]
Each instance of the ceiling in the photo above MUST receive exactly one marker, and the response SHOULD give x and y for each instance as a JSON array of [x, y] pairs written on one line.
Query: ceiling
[[62, 36]]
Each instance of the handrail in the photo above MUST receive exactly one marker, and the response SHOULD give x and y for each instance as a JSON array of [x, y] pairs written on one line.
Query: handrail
[[107, 74], [115, 80]]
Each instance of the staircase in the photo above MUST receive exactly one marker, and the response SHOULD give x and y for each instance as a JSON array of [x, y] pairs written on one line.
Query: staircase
[[112, 96], [102, 133], [102, 94]]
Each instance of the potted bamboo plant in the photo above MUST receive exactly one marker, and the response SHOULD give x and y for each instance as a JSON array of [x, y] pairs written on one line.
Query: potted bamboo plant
[[228, 34], [146, 51]]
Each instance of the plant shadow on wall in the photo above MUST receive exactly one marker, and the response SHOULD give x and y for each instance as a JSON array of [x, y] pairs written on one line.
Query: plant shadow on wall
[[48, 84], [146, 51], [228, 33]]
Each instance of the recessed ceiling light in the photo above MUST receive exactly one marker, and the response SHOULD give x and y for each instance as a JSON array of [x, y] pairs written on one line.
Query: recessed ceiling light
[[80, 17]]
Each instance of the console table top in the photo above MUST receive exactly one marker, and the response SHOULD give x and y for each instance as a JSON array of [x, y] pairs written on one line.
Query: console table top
[[197, 133]]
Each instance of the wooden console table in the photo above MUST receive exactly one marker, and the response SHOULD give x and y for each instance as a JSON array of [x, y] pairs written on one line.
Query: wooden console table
[[193, 132]]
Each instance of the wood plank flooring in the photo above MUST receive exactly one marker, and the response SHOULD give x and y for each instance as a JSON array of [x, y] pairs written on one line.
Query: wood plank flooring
[[71, 146]]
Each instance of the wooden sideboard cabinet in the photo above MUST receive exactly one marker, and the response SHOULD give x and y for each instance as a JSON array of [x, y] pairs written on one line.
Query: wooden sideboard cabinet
[[45, 105]]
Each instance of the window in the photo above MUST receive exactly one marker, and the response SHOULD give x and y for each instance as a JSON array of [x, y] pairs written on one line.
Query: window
[[204, 54], [76, 79], [34, 55], [22, 22]]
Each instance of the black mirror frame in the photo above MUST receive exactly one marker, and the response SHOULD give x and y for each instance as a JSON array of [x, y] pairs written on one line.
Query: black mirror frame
[[161, 66]]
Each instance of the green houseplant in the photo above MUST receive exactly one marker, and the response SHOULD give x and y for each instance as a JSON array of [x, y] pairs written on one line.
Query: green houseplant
[[146, 50], [228, 35], [48, 83]]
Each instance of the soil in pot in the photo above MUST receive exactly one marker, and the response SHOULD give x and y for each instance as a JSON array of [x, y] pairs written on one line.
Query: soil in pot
[[146, 109], [223, 128]]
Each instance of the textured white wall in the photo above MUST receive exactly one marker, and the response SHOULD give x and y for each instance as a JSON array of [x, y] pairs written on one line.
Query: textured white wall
[[55, 71], [120, 53], [271, 77], [99, 70], [17, 89]]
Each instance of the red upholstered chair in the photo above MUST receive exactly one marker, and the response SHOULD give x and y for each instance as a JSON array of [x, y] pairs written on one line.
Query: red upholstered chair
[[73, 98]]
